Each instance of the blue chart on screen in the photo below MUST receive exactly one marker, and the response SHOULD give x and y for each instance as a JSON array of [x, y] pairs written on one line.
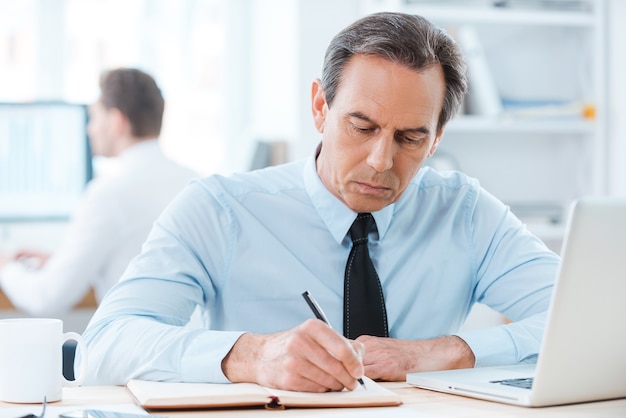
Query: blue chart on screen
[[45, 159]]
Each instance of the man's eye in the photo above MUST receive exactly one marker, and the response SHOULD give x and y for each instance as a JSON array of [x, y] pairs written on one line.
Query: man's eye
[[409, 139], [362, 129]]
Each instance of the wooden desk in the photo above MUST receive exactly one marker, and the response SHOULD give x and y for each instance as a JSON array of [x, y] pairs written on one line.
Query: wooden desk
[[89, 301], [417, 403]]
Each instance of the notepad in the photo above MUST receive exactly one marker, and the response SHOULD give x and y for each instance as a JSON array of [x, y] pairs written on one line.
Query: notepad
[[172, 395]]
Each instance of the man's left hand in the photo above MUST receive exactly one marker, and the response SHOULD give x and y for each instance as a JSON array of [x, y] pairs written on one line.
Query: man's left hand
[[391, 359]]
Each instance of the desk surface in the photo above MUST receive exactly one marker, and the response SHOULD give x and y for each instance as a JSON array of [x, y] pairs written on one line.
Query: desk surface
[[89, 301], [417, 403]]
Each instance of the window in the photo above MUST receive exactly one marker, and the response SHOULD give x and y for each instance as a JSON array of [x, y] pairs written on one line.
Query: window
[[56, 50]]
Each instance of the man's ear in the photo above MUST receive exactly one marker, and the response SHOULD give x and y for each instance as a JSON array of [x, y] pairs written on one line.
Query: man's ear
[[318, 105], [119, 122]]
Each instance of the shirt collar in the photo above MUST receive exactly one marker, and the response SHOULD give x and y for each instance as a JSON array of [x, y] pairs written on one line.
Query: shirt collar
[[131, 157], [335, 214], [140, 148]]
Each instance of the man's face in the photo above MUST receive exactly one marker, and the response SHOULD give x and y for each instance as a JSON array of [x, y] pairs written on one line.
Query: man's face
[[379, 131], [100, 130]]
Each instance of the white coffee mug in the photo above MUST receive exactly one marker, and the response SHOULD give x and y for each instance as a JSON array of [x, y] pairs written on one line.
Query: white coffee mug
[[31, 360]]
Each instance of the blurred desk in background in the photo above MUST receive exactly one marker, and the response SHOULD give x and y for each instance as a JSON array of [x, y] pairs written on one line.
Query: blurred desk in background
[[89, 301], [76, 320]]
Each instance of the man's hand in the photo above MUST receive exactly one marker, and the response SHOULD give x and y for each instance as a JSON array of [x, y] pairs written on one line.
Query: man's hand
[[391, 359], [31, 258], [310, 358]]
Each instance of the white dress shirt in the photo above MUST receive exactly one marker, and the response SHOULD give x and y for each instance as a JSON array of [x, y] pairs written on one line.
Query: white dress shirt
[[244, 248], [106, 231]]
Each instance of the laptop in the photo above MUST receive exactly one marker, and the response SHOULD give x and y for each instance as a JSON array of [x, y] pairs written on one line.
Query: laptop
[[583, 352]]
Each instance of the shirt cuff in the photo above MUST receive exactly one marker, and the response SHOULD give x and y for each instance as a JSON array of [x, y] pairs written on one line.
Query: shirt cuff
[[491, 346], [202, 361]]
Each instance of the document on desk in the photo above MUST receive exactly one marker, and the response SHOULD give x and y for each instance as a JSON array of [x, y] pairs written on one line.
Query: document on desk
[[54, 411], [168, 395]]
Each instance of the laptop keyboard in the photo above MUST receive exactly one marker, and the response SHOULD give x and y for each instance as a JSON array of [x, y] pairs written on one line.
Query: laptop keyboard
[[522, 382]]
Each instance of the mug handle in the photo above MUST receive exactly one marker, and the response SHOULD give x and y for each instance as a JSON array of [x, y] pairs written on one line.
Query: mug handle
[[78, 380]]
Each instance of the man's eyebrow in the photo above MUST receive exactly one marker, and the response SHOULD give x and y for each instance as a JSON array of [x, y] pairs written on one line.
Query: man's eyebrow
[[419, 130], [360, 115]]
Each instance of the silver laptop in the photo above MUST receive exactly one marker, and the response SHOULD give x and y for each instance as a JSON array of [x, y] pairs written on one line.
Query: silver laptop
[[583, 353]]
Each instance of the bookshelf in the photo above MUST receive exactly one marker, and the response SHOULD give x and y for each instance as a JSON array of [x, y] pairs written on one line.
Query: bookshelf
[[468, 123], [480, 13], [547, 63]]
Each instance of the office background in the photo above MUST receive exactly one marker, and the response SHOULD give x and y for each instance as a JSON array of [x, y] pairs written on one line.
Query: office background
[[236, 72]]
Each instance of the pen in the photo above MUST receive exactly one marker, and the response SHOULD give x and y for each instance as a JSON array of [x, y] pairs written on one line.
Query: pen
[[319, 314]]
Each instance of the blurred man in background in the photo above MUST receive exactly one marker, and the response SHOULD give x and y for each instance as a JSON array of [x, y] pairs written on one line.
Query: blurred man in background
[[118, 208]]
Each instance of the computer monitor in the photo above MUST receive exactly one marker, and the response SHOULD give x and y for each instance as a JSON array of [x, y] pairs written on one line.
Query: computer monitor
[[45, 160]]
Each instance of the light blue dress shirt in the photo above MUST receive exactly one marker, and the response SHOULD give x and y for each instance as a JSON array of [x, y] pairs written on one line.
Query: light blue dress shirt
[[244, 248]]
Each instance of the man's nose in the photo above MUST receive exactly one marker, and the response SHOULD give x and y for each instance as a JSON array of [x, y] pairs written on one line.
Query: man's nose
[[381, 153]]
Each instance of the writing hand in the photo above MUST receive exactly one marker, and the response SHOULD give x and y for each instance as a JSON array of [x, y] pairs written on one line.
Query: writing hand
[[310, 358]]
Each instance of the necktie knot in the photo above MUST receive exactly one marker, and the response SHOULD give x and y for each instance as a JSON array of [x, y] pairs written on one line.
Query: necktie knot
[[361, 228]]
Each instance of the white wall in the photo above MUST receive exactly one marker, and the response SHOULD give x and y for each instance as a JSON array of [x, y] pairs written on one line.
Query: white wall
[[317, 22], [273, 48], [287, 40], [617, 97]]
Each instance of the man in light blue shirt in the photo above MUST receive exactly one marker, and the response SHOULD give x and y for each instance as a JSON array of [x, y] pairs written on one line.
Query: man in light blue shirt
[[244, 248]]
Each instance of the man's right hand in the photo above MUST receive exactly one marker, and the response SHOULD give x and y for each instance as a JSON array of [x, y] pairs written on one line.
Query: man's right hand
[[31, 258], [311, 357]]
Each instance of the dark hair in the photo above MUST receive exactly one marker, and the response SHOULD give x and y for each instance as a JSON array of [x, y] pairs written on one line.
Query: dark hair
[[137, 96], [405, 39]]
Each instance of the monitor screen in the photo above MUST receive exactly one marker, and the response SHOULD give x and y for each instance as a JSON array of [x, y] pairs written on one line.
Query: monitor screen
[[45, 160]]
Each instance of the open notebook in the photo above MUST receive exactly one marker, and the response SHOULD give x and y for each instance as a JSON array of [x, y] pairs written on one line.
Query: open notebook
[[583, 354], [167, 395]]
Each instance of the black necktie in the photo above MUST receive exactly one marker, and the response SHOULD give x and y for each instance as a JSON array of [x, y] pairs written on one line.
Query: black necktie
[[364, 310]]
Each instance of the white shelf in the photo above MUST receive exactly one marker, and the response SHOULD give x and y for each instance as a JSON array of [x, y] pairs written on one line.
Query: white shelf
[[498, 16], [490, 15], [478, 124]]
